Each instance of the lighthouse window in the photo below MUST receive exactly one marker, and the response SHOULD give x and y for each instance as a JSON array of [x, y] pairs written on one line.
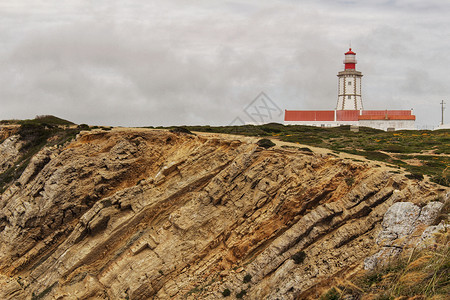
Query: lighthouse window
[[349, 83], [349, 97]]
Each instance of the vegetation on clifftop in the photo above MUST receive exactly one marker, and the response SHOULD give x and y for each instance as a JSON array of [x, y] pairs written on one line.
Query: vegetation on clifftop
[[35, 134], [47, 120], [421, 152]]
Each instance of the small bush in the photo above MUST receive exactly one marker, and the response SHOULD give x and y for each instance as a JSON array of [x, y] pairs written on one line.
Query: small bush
[[181, 130], [332, 294], [299, 257], [241, 294], [372, 278], [247, 278], [306, 149], [265, 143], [349, 181], [226, 293], [83, 127], [414, 176]]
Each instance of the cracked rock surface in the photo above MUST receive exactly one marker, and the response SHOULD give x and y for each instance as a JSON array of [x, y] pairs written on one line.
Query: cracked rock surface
[[405, 226], [149, 214]]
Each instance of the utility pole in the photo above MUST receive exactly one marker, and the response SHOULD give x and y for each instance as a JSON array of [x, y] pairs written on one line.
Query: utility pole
[[442, 112]]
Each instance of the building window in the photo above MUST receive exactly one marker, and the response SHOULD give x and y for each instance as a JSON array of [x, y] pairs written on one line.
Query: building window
[[349, 83], [349, 97]]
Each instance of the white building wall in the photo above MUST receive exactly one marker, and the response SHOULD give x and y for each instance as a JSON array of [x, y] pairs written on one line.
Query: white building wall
[[389, 124], [377, 124]]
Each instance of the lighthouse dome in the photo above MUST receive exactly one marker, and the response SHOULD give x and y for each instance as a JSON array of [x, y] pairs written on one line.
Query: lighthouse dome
[[350, 52]]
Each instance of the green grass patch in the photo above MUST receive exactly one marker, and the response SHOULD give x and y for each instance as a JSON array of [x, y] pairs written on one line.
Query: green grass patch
[[373, 144]]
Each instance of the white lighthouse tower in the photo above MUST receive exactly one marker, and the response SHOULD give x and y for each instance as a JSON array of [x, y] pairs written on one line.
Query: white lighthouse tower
[[349, 85]]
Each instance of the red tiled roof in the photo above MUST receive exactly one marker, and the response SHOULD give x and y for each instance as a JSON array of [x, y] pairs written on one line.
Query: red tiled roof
[[347, 115], [388, 112], [309, 115], [387, 117]]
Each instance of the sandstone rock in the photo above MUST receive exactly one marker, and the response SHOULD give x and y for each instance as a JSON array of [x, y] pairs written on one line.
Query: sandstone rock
[[9, 152], [147, 214], [8, 130]]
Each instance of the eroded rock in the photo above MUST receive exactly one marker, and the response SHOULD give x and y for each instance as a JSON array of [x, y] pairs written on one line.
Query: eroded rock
[[404, 225], [148, 214]]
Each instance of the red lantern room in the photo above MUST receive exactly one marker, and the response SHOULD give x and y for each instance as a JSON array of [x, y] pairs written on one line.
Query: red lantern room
[[350, 60]]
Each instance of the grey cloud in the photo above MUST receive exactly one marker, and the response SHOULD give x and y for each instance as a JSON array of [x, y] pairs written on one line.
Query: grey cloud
[[140, 63]]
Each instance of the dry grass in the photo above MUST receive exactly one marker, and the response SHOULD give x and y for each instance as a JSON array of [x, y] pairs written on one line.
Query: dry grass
[[423, 274]]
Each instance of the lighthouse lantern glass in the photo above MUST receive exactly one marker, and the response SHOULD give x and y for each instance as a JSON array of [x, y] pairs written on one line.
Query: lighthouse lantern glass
[[350, 58]]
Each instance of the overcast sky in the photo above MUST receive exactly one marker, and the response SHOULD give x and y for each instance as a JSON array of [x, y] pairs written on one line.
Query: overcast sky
[[173, 62]]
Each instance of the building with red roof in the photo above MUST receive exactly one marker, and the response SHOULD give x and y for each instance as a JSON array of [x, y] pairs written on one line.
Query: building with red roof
[[349, 108]]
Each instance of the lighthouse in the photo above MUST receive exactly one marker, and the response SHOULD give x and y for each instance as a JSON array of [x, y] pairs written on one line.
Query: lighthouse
[[349, 109], [349, 84]]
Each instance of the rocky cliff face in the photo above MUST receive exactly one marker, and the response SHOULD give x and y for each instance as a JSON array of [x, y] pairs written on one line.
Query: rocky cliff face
[[10, 146], [137, 214]]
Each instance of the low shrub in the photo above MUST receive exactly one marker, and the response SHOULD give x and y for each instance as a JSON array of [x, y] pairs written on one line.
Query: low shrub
[[414, 176], [241, 294], [226, 293], [349, 181], [181, 130], [306, 149], [299, 257], [83, 127], [265, 143], [247, 278], [332, 294]]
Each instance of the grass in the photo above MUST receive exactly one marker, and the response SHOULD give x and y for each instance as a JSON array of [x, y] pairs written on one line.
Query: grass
[[39, 120], [331, 294], [423, 273], [430, 148], [426, 273]]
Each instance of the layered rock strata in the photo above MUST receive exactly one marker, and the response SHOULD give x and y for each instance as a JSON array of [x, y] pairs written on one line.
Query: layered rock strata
[[147, 214]]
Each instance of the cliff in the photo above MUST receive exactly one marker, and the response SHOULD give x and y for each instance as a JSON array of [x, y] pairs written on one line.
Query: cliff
[[140, 213]]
